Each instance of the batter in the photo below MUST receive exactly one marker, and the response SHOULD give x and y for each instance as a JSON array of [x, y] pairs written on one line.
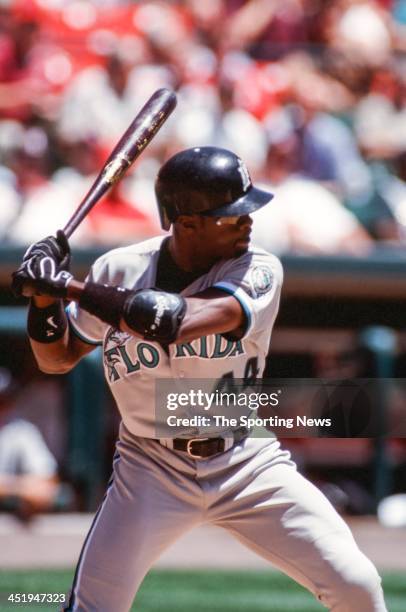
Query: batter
[[209, 315]]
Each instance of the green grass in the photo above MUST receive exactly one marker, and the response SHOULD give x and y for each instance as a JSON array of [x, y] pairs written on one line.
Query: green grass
[[200, 591]]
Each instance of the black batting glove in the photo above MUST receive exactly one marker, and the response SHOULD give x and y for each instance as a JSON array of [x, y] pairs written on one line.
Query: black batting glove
[[41, 276], [55, 248]]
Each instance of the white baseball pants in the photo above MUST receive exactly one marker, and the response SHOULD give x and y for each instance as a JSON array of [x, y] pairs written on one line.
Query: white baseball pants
[[253, 491]]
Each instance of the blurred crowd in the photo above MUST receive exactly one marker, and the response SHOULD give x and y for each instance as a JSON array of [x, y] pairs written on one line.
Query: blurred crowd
[[310, 93]]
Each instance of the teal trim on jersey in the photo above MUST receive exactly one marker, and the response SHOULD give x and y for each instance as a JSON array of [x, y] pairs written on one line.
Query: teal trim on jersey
[[80, 335], [227, 288]]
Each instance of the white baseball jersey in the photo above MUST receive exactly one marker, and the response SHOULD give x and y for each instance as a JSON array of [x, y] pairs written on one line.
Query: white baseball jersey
[[132, 365], [253, 490]]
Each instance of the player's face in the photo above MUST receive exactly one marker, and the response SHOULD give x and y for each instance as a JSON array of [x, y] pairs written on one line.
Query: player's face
[[225, 237]]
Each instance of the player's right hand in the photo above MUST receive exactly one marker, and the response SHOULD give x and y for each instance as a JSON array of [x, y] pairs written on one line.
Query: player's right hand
[[56, 249], [40, 275]]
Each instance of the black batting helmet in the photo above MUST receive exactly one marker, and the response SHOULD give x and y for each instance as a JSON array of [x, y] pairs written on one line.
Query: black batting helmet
[[206, 181]]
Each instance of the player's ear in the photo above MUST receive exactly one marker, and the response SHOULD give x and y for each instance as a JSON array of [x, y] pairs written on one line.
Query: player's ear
[[188, 222]]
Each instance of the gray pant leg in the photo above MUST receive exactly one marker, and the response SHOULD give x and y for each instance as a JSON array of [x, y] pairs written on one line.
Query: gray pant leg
[[144, 511], [280, 515]]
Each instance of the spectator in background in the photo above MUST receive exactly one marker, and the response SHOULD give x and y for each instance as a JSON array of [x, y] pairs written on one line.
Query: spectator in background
[[266, 28], [380, 115], [10, 201], [360, 29], [391, 186], [28, 472], [19, 85], [305, 217], [101, 101], [329, 151], [49, 197], [48, 207], [380, 126]]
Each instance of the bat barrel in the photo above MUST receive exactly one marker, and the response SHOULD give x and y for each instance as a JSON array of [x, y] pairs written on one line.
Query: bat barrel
[[138, 135], [146, 124]]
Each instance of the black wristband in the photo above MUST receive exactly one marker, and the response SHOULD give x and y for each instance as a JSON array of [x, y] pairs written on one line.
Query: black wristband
[[48, 324], [105, 302]]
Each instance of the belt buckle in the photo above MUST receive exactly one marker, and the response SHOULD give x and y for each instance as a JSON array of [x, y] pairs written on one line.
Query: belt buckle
[[189, 447]]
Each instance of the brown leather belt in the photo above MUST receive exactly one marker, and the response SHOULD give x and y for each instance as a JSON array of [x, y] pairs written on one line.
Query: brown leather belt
[[202, 448]]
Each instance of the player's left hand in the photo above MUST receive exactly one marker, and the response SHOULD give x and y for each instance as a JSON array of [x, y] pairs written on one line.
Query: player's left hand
[[55, 247]]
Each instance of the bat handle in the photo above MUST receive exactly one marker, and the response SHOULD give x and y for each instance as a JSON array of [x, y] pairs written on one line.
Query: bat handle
[[97, 190], [69, 229]]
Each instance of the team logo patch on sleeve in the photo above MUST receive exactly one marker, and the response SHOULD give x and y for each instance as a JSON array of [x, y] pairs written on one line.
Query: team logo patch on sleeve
[[261, 280]]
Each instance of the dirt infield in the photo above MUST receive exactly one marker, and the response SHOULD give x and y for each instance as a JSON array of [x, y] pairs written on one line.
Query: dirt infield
[[54, 541]]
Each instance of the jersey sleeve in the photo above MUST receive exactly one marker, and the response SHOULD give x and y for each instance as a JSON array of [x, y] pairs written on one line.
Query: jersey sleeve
[[255, 280], [85, 326]]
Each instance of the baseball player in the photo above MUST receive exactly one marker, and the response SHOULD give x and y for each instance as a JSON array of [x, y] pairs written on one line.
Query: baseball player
[[200, 303]]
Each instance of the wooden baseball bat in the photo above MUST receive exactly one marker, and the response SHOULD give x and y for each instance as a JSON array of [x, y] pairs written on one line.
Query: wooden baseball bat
[[140, 133]]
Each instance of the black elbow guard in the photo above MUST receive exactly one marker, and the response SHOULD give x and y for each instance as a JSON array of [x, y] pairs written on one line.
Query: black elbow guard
[[154, 314]]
